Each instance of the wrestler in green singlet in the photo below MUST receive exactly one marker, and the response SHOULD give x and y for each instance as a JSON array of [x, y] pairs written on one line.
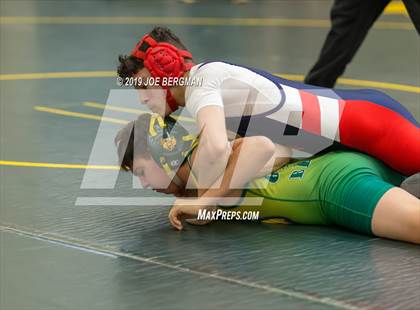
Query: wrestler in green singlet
[[339, 188]]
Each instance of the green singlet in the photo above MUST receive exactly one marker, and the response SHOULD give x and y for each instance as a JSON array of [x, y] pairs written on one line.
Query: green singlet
[[337, 188]]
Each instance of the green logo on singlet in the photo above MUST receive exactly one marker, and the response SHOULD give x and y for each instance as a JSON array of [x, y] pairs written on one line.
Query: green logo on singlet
[[304, 163], [297, 174], [273, 178]]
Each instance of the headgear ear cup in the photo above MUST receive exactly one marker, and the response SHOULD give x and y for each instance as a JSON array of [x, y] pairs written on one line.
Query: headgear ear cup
[[163, 60], [169, 144]]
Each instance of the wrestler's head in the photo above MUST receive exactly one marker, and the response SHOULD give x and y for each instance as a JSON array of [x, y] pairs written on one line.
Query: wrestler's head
[[153, 149], [158, 55]]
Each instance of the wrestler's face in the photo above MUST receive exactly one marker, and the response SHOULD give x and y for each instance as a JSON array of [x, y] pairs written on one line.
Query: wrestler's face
[[151, 175], [150, 94]]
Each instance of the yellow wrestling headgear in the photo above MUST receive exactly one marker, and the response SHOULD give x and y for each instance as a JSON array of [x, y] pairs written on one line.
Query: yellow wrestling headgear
[[169, 144]]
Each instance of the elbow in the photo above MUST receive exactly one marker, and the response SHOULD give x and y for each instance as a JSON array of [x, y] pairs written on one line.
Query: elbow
[[266, 146]]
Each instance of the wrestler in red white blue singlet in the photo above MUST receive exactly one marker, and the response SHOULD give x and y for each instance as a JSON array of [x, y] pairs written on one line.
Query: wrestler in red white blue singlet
[[306, 117]]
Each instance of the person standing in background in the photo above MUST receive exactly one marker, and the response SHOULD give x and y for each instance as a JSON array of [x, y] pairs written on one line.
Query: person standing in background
[[350, 23]]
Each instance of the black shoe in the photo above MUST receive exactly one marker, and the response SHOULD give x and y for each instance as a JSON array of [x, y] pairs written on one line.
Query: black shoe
[[412, 185]]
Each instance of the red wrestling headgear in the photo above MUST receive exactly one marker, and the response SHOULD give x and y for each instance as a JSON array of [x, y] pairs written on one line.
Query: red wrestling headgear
[[163, 60]]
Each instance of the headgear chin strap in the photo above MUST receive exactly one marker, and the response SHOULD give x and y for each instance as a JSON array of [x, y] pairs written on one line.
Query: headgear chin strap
[[169, 144], [163, 60]]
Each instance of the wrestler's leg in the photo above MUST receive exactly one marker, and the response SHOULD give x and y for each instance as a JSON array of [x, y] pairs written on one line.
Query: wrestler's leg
[[350, 23], [397, 216], [366, 200], [413, 8], [382, 133]]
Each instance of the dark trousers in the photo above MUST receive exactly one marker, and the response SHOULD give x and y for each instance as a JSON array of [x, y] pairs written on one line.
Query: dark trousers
[[350, 23]]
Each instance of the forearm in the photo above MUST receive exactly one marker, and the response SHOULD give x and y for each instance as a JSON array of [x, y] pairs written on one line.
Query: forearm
[[249, 156], [214, 149], [246, 160], [209, 164], [281, 157]]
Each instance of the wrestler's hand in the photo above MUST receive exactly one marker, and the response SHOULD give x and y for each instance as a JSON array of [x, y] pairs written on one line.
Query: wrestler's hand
[[182, 209], [185, 209]]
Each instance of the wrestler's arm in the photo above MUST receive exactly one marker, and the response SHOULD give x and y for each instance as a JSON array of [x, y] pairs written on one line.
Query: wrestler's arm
[[281, 157], [213, 150], [206, 104], [249, 156]]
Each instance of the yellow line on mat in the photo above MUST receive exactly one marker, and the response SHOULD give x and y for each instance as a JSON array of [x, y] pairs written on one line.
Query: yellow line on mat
[[361, 83], [127, 110], [395, 8], [80, 115], [102, 106], [384, 85], [296, 77], [53, 165], [195, 21]]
